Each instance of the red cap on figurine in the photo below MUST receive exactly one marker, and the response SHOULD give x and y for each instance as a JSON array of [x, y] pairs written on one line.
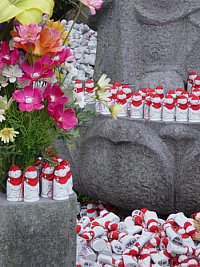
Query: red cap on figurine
[[159, 87], [31, 169], [59, 167], [14, 168]]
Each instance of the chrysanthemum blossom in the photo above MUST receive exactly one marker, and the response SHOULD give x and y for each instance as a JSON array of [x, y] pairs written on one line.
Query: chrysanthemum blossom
[[7, 135], [104, 82], [28, 33], [35, 72], [65, 119], [8, 56], [29, 99], [93, 5]]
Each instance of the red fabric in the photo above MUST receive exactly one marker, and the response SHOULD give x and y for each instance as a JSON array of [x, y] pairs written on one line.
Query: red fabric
[[195, 107], [15, 181], [137, 103], [144, 256], [63, 180], [32, 182], [121, 101], [128, 95], [156, 105], [169, 106], [183, 106], [89, 90], [161, 96], [79, 90], [48, 177]]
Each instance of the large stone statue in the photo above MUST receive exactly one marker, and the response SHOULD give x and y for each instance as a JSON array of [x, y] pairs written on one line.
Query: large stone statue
[[144, 42]]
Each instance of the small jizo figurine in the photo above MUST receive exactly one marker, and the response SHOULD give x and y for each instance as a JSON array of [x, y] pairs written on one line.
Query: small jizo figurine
[[194, 109], [14, 184], [66, 164], [173, 94], [160, 91], [137, 106], [143, 93], [191, 77], [60, 190], [196, 84], [31, 185], [46, 177], [127, 90], [122, 100], [168, 111], [182, 109], [155, 108], [89, 91], [147, 103]]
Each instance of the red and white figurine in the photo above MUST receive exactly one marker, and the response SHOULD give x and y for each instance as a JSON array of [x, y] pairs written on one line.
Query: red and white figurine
[[137, 106], [127, 90], [70, 178], [155, 108], [46, 177], [182, 109], [89, 92], [60, 186], [191, 77], [143, 93], [79, 93], [31, 185], [122, 100], [168, 110], [14, 184], [194, 109], [147, 105], [160, 91]]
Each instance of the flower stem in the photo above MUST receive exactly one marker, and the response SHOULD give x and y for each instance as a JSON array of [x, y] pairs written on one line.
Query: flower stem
[[75, 20]]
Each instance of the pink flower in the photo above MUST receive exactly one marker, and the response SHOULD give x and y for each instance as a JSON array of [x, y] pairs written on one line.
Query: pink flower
[[7, 56], [61, 56], [29, 98], [65, 119], [28, 33], [93, 5], [54, 95], [40, 69]]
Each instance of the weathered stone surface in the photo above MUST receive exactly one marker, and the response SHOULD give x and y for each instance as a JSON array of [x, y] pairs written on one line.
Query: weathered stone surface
[[39, 234], [138, 163], [148, 42]]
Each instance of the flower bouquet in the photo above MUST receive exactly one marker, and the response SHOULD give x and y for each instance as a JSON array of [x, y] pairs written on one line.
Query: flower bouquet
[[36, 103]]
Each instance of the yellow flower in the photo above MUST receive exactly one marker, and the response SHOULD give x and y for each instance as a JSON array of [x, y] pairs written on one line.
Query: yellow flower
[[115, 110], [60, 27], [104, 82], [7, 135], [26, 11]]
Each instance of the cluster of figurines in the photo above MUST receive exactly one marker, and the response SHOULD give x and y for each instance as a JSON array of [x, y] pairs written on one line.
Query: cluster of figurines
[[42, 179], [140, 240], [147, 103]]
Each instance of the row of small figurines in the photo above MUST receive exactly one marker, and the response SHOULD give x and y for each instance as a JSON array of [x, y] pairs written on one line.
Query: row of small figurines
[[55, 182], [156, 106]]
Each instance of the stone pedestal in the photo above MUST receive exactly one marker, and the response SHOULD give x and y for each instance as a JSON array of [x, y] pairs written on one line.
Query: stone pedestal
[[39, 234], [136, 163]]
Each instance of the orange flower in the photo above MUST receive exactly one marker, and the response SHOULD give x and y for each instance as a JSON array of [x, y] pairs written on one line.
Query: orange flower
[[60, 27], [49, 43]]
